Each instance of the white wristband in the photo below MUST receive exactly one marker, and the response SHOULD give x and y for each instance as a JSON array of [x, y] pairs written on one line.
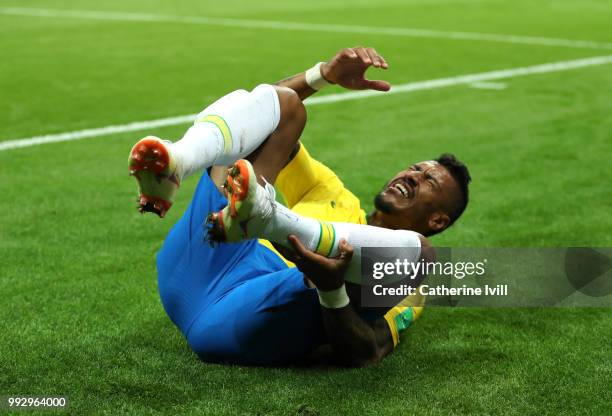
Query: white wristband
[[314, 79], [334, 299]]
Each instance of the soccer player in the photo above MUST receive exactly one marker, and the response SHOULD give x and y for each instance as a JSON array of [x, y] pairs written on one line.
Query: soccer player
[[239, 300]]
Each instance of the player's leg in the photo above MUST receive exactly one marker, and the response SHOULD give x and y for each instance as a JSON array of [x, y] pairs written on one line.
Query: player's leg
[[252, 212], [243, 121], [270, 158], [189, 268], [273, 154], [229, 129], [272, 319]]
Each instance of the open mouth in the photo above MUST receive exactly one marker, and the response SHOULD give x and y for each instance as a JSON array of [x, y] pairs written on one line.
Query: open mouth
[[402, 188]]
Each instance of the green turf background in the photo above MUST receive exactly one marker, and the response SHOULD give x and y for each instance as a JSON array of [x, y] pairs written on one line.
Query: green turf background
[[80, 315]]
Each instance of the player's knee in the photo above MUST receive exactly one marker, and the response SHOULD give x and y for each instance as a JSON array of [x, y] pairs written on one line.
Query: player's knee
[[291, 106]]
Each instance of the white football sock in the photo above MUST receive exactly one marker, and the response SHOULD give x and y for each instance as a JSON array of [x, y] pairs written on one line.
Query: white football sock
[[229, 129], [275, 222], [199, 149]]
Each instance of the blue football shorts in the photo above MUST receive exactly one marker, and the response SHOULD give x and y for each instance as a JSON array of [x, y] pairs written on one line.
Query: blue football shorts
[[235, 303]]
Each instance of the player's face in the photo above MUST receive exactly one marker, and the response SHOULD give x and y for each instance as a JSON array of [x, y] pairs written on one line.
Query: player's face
[[418, 198]]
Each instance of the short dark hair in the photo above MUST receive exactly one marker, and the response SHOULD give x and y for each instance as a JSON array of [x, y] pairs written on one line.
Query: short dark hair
[[460, 173]]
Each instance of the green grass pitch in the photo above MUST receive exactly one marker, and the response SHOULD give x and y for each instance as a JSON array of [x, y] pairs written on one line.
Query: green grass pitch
[[80, 315]]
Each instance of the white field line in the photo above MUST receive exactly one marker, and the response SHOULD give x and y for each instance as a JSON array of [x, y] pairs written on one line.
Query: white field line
[[331, 98], [303, 26], [488, 85]]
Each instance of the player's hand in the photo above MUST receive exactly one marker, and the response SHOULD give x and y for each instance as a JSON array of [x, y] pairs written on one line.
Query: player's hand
[[348, 68], [326, 273]]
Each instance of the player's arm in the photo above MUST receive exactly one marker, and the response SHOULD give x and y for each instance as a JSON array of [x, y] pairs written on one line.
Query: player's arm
[[346, 69], [353, 340]]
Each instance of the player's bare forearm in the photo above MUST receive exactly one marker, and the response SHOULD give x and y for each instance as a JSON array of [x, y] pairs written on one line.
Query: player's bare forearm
[[354, 341], [298, 84]]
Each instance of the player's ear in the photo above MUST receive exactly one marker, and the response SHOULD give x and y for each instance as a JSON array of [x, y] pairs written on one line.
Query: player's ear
[[438, 221]]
